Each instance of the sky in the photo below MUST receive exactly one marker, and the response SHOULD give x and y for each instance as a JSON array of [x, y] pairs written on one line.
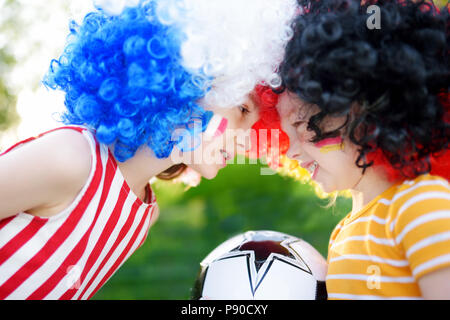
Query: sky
[[45, 27]]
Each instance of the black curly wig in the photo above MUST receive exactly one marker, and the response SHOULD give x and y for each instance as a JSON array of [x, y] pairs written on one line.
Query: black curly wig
[[391, 83]]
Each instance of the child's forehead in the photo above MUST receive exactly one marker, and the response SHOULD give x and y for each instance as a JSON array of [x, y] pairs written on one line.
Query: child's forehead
[[285, 105], [290, 103]]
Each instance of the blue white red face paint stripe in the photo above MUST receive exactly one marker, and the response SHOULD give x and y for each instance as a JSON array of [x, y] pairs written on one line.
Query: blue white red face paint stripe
[[216, 127]]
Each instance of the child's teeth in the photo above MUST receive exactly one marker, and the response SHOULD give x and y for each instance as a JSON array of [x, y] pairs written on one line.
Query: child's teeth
[[312, 167], [224, 154]]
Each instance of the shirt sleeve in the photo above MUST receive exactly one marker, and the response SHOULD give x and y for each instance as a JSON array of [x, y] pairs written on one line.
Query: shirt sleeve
[[422, 227]]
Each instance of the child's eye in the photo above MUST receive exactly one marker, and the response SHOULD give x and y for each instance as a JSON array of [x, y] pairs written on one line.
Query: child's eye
[[300, 119], [244, 109], [298, 123]]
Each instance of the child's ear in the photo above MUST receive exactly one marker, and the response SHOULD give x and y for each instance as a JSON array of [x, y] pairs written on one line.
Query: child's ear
[[354, 128]]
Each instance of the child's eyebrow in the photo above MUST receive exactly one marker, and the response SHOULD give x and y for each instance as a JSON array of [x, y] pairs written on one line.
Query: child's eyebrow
[[304, 109], [252, 99], [302, 113]]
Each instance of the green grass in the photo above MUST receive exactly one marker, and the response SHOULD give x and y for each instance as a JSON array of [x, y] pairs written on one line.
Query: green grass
[[194, 222]]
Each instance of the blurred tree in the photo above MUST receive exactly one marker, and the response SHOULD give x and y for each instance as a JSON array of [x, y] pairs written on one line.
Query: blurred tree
[[441, 3], [9, 28]]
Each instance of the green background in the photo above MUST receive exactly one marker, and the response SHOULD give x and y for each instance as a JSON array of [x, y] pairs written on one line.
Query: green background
[[194, 222]]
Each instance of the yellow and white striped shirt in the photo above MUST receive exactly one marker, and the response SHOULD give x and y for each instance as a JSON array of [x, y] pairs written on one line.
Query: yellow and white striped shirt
[[401, 235]]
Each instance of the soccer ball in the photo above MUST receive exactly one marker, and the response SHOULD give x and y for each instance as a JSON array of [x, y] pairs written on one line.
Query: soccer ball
[[262, 265]]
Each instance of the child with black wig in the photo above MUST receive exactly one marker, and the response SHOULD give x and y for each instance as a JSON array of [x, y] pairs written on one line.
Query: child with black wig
[[150, 88], [367, 109]]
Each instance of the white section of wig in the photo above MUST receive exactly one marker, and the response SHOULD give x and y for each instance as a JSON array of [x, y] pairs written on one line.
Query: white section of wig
[[114, 7], [237, 43]]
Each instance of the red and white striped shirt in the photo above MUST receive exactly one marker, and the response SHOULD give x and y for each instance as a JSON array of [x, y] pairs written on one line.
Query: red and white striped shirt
[[73, 253]]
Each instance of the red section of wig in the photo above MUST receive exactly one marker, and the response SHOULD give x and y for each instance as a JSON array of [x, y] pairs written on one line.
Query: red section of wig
[[266, 126], [440, 164]]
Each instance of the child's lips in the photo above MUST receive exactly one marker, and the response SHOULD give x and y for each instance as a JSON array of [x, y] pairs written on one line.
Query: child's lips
[[225, 156], [311, 167], [305, 165]]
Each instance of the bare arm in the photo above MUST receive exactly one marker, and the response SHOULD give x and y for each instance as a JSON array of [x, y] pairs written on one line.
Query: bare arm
[[43, 173], [436, 285]]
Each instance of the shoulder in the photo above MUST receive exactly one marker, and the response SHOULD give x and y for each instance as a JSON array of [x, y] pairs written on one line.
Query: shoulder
[[421, 206], [422, 223], [68, 168], [64, 149], [425, 190], [408, 191], [45, 172], [60, 159], [63, 152], [72, 159], [425, 180]]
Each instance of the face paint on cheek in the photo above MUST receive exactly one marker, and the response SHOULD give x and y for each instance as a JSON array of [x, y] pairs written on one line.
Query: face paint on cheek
[[330, 144], [216, 127]]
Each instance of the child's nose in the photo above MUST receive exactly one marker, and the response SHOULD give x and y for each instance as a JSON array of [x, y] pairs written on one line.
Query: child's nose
[[243, 144], [293, 153]]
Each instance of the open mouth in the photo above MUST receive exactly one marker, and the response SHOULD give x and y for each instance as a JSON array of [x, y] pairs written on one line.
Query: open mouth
[[312, 168], [225, 155]]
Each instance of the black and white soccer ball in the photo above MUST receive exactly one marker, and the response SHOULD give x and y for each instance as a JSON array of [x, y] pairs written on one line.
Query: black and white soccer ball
[[262, 265]]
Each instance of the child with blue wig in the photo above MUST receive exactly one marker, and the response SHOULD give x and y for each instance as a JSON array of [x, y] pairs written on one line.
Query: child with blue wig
[[150, 88]]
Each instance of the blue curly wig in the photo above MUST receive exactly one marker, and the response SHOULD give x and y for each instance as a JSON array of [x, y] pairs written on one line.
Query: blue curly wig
[[123, 78]]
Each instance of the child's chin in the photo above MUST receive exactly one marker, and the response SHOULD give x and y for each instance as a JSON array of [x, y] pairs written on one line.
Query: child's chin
[[326, 187], [210, 173]]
